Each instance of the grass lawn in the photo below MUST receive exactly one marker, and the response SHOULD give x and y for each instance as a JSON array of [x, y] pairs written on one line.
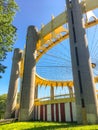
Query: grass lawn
[[46, 126]]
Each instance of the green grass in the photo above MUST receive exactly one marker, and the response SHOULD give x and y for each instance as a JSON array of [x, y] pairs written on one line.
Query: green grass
[[46, 126]]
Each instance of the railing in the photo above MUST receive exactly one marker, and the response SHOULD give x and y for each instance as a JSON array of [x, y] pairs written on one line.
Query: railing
[[64, 98], [55, 99]]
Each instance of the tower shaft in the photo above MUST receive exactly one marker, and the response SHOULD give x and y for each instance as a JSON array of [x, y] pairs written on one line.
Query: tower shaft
[[13, 85], [28, 83], [86, 98]]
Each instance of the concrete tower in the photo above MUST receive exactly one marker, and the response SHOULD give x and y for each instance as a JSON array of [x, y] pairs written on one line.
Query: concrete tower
[[86, 99], [13, 85], [28, 83]]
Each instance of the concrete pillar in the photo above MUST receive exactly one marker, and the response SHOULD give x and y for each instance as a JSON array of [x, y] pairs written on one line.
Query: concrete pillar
[[36, 92], [70, 91], [86, 99], [13, 85], [28, 83], [52, 93]]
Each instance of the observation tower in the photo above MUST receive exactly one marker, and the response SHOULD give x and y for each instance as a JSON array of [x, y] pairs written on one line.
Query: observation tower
[[80, 103]]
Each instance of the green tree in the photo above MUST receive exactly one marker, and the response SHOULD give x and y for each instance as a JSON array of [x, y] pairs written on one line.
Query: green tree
[[2, 105], [8, 9], [3, 99]]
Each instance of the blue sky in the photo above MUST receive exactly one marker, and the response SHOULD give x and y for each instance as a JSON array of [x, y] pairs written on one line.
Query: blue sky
[[32, 12], [35, 12]]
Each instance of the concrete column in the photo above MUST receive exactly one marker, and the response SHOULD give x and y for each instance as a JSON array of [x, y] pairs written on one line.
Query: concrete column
[[70, 91], [36, 91], [28, 83], [13, 85], [86, 99], [52, 93]]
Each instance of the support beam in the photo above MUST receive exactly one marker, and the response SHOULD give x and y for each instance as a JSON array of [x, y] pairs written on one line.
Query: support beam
[[62, 18], [86, 99], [71, 91], [13, 86], [28, 83], [36, 92], [52, 93]]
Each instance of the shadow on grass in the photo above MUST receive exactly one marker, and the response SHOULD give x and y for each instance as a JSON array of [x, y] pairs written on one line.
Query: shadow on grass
[[6, 123], [53, 127]]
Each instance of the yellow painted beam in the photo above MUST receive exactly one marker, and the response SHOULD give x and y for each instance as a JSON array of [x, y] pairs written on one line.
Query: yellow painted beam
[[47, 102], [90, 5], [45, 49], [62, 18], [90, 24], [53, 83], [41, 45], [57, 83]]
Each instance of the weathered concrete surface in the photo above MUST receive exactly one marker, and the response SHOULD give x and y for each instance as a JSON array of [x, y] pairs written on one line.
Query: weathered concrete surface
[[86, 99], [52, 93], [28, 83], [13, 85], [36, 92]]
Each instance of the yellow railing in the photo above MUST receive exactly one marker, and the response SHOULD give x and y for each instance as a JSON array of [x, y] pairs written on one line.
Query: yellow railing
[[57, 99], [64, 98]]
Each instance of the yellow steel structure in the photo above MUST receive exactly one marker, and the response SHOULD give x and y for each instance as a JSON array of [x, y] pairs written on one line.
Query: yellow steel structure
[[61, 100], [53, 33], [56, 83]]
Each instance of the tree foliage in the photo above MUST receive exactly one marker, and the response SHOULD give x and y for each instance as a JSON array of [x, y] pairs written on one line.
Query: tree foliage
[[8, 9], [2, 105], [3, 99]]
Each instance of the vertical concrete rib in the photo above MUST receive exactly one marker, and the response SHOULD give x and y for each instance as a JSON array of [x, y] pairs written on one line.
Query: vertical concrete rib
[[28, 83], [86, 99], [52, 93], [36, 92], [70, 91], [13, 85]]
